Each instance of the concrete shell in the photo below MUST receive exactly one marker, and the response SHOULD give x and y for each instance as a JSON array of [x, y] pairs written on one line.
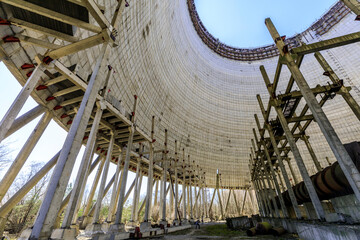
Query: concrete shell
[[206, 101]]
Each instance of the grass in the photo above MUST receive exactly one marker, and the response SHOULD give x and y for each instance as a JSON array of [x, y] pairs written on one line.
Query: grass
[[220, 230]]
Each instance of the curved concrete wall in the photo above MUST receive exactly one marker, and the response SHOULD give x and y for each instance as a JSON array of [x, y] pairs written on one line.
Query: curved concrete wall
[[208, 102]]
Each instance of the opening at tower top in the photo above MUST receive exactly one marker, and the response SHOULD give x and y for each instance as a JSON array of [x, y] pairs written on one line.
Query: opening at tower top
[[240, 23]]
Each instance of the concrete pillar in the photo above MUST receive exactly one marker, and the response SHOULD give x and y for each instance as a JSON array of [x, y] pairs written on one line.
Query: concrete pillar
[[190, 192], [270, 190], [117, 224], [253, 208], [67, 198], [205, 201], [195, 206], [280, 161], [281, 182], [227, 203], [23, 155], [276, 183], [312, 153], [221, 205], [262, 209], [20, 100], [176, 214], [83, 171], [243, 206], [93, 188], [345, 161], [298, 158], [265, 194], [212, 201], [171, 207], [25, 119], [303, 171], [103, 179], [90, 229], [236, 203], [163, 219], [135, 196], [161, 194], [271, 171], [263, 197], [188, 199], [147, 218], [184, 188], [335, 79], [115, 190], [296, 181], [82, 190], [56, 189], [156, 193], [138, 197]]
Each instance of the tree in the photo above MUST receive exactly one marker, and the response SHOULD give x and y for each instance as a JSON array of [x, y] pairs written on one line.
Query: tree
[[4, 156], [23, 214]]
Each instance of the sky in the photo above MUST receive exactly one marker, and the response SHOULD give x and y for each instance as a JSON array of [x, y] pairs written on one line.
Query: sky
[[240, 23], [237, 23]]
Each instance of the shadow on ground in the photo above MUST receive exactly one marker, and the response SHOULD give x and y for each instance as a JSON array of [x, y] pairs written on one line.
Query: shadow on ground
[[217, 231]]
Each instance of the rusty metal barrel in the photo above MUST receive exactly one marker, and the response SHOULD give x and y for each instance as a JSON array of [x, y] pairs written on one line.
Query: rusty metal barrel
[[329, 183]]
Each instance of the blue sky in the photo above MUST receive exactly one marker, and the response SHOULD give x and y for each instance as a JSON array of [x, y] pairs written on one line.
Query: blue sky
[[240, 23]]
